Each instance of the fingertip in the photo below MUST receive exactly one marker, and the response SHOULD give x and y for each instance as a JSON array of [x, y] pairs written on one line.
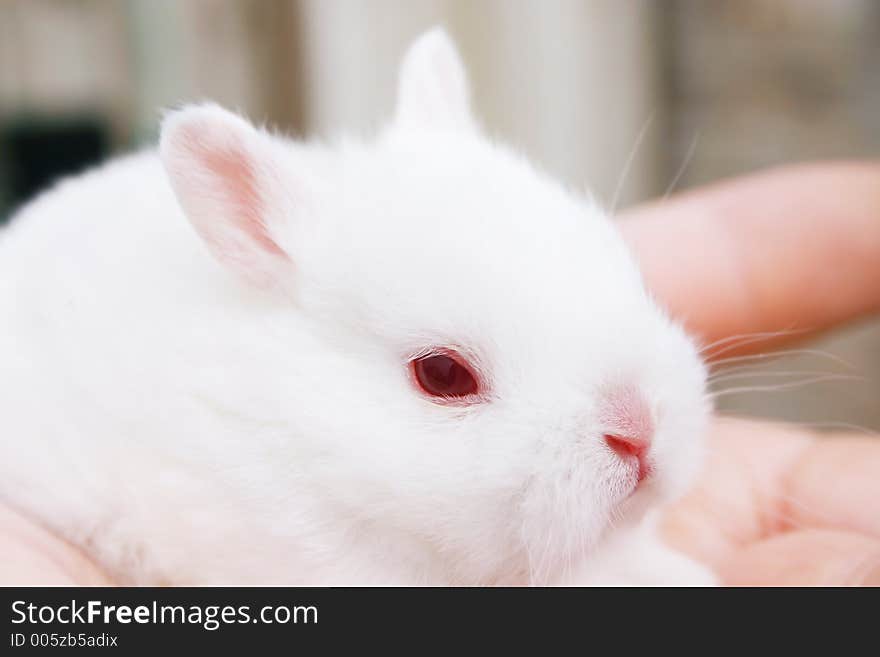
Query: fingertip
[[791, 248]]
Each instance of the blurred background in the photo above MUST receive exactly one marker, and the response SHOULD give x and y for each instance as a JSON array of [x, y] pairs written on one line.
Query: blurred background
[[628, 99]]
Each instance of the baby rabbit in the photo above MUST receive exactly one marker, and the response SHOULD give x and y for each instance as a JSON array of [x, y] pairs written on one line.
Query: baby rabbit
[[410, 360]]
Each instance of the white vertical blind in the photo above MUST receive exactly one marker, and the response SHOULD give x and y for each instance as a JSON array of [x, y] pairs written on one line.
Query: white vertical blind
[[572, 83]]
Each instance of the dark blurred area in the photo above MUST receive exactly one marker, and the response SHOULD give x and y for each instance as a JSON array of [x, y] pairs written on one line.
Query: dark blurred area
[[35, 153]]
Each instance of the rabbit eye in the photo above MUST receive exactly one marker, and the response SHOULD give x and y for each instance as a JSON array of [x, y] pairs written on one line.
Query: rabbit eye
[[444, 375]]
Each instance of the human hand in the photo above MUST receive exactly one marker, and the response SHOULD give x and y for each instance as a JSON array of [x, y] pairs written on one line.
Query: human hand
[[777, 505], [793, 248]]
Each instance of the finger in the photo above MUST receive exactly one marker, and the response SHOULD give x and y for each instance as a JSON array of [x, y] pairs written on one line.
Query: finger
[[767, 479], [791, 249], [806, 558], [834, 484], [736, 500]]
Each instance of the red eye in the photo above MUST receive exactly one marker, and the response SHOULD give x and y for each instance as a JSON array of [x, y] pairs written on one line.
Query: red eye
[[444, 375]]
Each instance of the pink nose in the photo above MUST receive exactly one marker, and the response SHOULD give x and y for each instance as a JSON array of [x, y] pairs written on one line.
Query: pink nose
[[629, 426], [632, 447], [628, 445]]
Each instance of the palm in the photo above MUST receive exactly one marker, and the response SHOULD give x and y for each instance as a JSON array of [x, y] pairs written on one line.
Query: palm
[[777, 505]]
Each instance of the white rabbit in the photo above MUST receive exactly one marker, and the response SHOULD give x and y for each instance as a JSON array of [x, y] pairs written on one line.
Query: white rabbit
[[410, 360]]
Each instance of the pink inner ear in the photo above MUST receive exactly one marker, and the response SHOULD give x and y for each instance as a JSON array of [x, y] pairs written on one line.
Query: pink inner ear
[[236, 171]]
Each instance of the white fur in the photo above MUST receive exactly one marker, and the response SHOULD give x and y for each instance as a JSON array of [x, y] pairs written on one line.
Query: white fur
[[243, 414]]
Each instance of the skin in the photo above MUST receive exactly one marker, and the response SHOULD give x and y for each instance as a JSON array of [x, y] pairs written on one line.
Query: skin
[[790, 251]]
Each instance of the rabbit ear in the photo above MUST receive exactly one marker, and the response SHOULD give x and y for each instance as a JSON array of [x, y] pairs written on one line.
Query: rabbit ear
[[228, 182], [433, 88]]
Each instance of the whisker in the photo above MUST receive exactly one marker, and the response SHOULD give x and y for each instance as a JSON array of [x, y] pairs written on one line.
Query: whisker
[[740, 369], [751, 372], [687, 160], [627, 165], [785, 386], [728, 339], [770, 355], [829, 424], [735, 341]]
